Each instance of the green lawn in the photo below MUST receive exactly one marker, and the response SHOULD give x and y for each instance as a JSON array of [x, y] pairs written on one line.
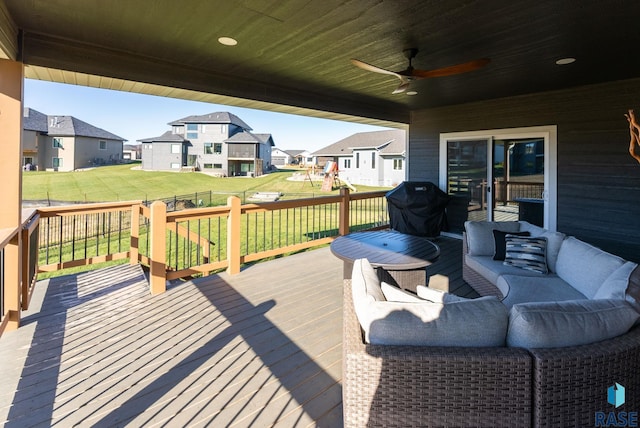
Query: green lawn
[[122, 183]]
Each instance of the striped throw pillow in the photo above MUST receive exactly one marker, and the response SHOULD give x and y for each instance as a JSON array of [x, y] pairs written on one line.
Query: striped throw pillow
[[527, 253]]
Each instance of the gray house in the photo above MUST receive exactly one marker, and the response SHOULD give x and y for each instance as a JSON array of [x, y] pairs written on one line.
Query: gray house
[[65, 143], [369, 158], [217, 143]]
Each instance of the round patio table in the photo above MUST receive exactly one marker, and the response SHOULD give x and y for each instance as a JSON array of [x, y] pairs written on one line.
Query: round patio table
[[402, 257]]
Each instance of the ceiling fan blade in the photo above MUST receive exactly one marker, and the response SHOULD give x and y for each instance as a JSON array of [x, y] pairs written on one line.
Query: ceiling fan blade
[[403, 87], [451, 70], [369, 67]]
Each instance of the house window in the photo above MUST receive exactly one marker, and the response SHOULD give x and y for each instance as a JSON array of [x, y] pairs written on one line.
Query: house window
[[397, 164], [217, 165], [57, 143], [192, 135], [347, 163], [57, 162], [103, 145], [217, 148], [175, 165], [208, 148], [192, 126], [208, 165], [175, 148], [357, 160], [373, 160]]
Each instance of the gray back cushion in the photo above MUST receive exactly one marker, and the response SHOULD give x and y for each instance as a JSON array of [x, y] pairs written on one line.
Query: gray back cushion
[[479, 234], [570, 323], [616, 284], [470, 323], [584, 266]]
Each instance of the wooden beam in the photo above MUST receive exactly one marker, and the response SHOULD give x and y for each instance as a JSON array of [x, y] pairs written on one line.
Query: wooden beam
[[11, 85]]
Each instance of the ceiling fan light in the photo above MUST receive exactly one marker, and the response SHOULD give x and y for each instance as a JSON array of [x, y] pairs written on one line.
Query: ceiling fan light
[[227, 41], [565, 61], [412, 92]]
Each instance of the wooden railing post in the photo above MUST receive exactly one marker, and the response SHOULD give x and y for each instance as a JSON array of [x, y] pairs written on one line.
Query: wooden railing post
[[233, 235], [343, 227], [134, 245], [158, 247], [12, 284], [25, 279], [11, 114]]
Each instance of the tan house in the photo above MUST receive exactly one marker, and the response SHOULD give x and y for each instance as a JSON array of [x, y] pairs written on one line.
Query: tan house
[[65, 143]]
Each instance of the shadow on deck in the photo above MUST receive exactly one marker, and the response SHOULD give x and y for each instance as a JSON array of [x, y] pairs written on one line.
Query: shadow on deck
[[260, 348]]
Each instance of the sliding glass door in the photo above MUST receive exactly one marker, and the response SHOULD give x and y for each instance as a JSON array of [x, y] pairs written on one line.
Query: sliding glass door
[[499, 175], [466, 180]]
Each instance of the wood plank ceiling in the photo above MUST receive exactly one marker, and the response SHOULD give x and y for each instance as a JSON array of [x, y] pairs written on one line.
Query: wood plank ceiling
[[293, 55]]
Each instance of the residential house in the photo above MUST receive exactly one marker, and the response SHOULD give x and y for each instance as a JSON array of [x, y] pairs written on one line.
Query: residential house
[[281, 157], [131, 152], [65, 143], [301, 158], [374, 158], [218, 143]]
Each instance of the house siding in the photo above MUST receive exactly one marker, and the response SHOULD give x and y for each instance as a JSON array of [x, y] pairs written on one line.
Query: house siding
[[162, 158], [388, 175], [598, 182], [88, 153]]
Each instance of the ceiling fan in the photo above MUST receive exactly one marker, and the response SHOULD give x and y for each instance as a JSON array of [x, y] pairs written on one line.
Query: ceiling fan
[[409, 74]]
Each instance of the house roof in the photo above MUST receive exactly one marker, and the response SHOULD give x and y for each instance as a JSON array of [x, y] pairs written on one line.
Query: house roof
[[33, 120], [218, 117], [63, 126], [294, 153], [388, 142], [249, 137], [167, 137]]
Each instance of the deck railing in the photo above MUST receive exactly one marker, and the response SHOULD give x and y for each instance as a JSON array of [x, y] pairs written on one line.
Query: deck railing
[[18, 269], [177, 244], [173, 245], [197, 241]]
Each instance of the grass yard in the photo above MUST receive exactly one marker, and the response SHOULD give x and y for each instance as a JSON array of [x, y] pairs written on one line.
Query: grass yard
[[122, 183]]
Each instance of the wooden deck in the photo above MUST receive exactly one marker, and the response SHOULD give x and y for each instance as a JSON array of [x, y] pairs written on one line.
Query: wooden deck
[[262, 348]]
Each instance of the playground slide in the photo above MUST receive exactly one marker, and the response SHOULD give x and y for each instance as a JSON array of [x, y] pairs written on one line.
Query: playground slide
[[349, 185]]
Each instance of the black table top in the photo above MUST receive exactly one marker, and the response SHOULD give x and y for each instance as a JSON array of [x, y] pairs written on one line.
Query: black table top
[[387, 249]]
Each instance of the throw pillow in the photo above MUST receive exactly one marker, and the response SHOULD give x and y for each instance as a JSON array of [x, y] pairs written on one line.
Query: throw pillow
[[437, 296], [568, 323], [526, 253], [395, 294], [499, 238]]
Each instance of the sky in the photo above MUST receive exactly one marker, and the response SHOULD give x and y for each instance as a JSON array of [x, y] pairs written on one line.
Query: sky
[[136, 116]]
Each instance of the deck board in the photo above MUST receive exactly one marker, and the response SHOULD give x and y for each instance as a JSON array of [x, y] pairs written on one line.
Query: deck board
[[262, 348]]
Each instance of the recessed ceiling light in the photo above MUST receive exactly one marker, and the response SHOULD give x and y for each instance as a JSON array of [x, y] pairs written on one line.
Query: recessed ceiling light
[[412, 93], [565, 61], [227, 41]]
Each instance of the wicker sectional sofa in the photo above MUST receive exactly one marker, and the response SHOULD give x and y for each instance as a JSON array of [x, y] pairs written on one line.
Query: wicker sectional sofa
[[482, 386]]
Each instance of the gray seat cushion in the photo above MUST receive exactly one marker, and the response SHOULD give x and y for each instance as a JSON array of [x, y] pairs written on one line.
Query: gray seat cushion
[[491, 269], [542, 288]]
